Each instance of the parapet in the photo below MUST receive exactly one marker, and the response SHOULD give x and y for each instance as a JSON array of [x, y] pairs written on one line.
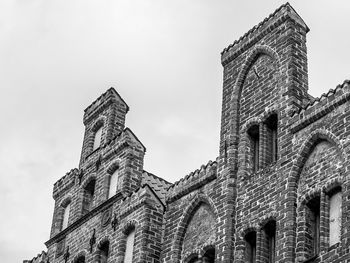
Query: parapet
[[192, 181], [111, 95], [66, 182], [38, 259], [318, 107], [281, 14]]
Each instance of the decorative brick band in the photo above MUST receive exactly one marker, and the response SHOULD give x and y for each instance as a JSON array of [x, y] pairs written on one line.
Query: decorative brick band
[[192, 181], [260, 31], [317, 113]]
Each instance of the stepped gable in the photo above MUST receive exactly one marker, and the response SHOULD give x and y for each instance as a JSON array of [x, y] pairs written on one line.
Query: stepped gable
[[159, 185], [65, 182], [192, 181], [282, 13], [318, 107], [106, 98], [38, 259], [126, 135]]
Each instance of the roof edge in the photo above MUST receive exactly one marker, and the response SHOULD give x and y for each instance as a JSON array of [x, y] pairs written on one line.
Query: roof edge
[[288, 9]]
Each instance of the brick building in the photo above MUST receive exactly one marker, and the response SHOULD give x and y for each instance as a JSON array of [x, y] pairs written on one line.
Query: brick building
[[277, 192]]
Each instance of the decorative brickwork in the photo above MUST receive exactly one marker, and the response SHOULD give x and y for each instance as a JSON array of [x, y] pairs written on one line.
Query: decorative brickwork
[[278, 191]]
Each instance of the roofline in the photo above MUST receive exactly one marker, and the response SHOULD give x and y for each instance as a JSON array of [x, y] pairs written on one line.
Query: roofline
[[262, 23], [111, 89], [160, 178]]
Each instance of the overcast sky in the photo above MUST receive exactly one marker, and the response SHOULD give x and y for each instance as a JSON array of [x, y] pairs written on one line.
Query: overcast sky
[[163, 57]]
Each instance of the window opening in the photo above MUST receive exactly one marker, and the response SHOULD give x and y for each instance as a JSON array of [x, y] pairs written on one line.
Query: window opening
[[209, 256], [129, 246], [335, 213], [80, 260], [272, 147], [113, 184], [97, 138], [65, 216], [104, 252], [270, 241], [253, 133], [313, 225], [88, 195], [250, 251]]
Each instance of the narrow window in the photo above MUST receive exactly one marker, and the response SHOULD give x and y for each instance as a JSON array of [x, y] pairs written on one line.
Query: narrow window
[[88, 195], [97, 138], [272, 147], [113, 184], [103, 252], [269, 246], [129, 246], [65, 216], [209, 256], [193, 260], [313, 226], [335, 212], [250, 249], [253, 133], [80, 260]]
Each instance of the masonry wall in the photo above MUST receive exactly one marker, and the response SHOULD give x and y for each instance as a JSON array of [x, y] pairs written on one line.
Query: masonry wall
[[128, 162], [204, 193], [111, 222]]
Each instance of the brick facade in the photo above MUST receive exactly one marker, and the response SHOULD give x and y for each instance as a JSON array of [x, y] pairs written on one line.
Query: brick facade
[[266, 198]]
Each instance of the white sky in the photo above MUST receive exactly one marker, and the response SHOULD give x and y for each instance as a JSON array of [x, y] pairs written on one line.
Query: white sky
[[163, 57]]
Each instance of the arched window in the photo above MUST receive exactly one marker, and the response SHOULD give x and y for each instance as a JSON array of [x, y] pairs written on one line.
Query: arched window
[[250, 248], [81, 259], [271, 129], [253, 133], [269, 242], [66, 211], [103, 252], [88, 195], [335, 215], [113, 183], [129, 248], [209, 256], [313, 225], [97, 138]]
